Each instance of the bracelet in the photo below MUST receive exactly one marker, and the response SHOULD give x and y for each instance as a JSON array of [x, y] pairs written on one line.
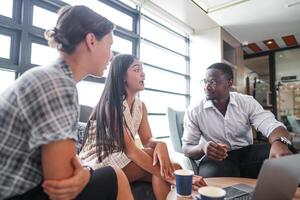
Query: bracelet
[[91, 170]]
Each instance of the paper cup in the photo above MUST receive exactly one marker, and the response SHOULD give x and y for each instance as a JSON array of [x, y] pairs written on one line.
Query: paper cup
[[184, 179], [211, 193]]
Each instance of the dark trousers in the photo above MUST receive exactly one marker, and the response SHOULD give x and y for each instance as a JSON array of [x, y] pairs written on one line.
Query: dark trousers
[[103, 185], [244, 162]]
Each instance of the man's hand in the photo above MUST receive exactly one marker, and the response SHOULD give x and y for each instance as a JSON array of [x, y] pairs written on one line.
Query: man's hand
[[215, 151], [161, 156], [68, 188], [279, 149]]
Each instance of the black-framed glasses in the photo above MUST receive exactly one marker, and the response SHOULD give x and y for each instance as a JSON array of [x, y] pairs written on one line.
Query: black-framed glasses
[[212, 82]]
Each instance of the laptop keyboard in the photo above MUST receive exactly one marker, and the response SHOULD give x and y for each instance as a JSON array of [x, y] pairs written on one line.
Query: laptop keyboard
[[236, 194], [243, 197]]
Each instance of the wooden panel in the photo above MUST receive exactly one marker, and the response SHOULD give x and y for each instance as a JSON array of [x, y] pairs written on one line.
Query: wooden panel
[[271, 44], [290, 40], [254, 47]]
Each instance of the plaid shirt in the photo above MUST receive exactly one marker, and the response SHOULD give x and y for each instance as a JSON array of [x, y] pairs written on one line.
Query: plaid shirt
[[39, 108]]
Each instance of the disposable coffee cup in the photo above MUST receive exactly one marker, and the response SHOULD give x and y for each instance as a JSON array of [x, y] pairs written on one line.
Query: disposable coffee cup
[[184, 179], [211, 193]]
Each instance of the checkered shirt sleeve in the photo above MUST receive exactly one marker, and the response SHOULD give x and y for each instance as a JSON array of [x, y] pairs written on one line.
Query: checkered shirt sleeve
[[39, 108]]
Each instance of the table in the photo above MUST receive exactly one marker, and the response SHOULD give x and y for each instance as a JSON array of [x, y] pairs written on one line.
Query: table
[[224, 182]]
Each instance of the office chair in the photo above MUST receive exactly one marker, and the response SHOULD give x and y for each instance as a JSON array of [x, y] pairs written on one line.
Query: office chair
[[176, 131], [84, 113]]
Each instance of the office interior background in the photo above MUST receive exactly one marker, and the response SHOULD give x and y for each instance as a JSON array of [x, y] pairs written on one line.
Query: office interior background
[[176, 40]]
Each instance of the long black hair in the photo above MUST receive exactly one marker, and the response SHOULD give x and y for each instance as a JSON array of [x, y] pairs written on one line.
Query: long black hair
[[108, 113], [72, 25]]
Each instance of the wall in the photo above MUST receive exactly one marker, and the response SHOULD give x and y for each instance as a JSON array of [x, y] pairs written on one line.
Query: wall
[[204, 50], [240, 70]]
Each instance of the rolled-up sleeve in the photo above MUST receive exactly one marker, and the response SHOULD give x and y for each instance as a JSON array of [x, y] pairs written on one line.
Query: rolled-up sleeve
[[263, 120], [192, 133]]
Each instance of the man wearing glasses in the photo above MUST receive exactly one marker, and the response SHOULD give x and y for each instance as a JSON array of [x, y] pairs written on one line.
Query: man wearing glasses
[[220, 127]]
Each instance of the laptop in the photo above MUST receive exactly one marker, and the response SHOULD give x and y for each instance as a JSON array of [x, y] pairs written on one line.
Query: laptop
[[278, 179]]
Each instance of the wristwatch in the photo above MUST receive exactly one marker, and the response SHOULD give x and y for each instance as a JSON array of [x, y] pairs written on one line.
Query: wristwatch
[[288, 142], [91, 170]]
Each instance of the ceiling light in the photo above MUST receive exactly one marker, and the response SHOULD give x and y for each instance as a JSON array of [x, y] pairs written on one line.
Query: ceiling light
[[218, 7], [269, 42], [293, 3]]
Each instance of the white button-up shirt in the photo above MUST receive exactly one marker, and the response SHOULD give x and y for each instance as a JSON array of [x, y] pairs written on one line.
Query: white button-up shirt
[[204, 122]]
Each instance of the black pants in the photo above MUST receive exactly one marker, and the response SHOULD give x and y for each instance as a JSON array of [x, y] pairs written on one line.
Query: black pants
[[103, 185], [244, 162]]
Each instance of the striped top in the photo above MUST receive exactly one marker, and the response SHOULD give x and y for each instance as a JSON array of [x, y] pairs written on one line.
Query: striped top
[[88, 153]]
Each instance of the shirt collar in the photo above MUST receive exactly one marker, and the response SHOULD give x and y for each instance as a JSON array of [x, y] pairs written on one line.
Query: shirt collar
[[64, 67], [209, 103]]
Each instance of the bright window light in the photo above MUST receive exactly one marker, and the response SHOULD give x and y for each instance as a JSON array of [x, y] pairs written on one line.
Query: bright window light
[[155, 76], [6, 8], [164, 22], [42, 55], [5, 46], [122, 45], [89, 92], [110, 13], [43, 18], [163, 37], [7, 78], [159, 125], [158, 102], [162, 58], [129, 3]]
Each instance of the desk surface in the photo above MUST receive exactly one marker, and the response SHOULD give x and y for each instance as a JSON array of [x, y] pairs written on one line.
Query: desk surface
[[227, 181]]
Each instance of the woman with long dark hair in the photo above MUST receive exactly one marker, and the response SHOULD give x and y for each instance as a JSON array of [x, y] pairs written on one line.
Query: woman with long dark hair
[[117, 120], [39, 116]]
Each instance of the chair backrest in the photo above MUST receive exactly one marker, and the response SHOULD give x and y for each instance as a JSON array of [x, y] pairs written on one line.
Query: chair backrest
[[176, 128], [295, 124], [85, 112]]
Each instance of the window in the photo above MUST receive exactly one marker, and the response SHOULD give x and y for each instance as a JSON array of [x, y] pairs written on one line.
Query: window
[[128, 3], [159, 126], [155, 78], [157, 102], [42, 55], [5, 46], [43, 18], [7, 78], [89, 92], [117, 17], [163, 22], [163, 37], [6, 8], [161, 47], [160, 57], [121, 45], [165, 56]]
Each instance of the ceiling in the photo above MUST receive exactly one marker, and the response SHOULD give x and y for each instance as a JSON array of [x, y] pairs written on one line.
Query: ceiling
[[252, 22], [256, 21]]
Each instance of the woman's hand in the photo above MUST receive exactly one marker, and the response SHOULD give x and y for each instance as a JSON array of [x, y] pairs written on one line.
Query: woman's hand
[[67, 189], [198, 181], [161, 156]]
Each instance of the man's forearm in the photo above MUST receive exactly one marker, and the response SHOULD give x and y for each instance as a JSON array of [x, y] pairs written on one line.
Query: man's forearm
[[193, 151], [278, 132]]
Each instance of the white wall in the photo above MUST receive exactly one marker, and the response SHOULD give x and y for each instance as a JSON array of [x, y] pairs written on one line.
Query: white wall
[[205, 50]]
